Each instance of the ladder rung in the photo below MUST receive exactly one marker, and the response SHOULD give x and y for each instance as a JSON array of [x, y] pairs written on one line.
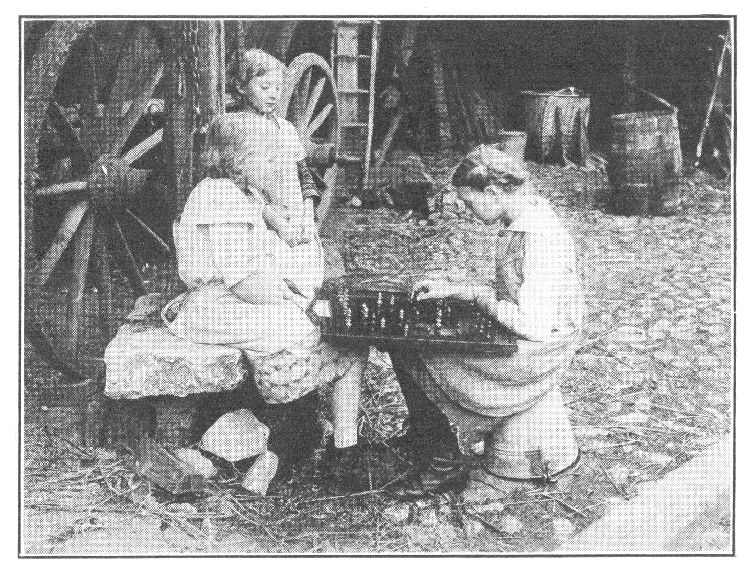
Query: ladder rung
[[353, 91]]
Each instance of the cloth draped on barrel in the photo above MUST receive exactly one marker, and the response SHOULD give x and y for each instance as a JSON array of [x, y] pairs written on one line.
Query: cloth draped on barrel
[[537, 283]]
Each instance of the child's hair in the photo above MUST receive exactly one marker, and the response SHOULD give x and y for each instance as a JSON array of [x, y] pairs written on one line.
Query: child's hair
[[254, 63], [486, 165], [221, 150]]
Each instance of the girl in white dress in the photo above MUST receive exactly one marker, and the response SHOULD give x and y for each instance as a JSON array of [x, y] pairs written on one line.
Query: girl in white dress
[[251, 258]]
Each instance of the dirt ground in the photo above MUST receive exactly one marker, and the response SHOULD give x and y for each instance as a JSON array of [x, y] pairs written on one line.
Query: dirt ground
[[650, 388]]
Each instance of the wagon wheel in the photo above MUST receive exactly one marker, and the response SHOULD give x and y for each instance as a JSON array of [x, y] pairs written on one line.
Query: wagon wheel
[[310, 102], [74, 296]]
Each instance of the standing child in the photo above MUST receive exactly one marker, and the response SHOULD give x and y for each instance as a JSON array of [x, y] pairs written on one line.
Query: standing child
[[279, 158]]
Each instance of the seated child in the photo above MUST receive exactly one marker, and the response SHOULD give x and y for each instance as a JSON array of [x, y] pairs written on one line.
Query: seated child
[[251, 277]]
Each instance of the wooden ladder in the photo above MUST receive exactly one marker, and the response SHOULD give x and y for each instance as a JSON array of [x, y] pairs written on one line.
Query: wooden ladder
[[355, 85]]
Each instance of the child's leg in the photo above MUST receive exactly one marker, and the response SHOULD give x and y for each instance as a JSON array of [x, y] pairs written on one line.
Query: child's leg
[[345, 404]]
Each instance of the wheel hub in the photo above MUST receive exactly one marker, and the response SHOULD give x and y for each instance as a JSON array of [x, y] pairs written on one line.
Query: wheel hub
[[111, 182]]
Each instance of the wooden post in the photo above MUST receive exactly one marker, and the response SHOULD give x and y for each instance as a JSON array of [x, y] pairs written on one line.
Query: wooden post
[[375, 41], [440, 99], [211, 69], [177, 146], [240, 39], [630, 64], [284, 40]]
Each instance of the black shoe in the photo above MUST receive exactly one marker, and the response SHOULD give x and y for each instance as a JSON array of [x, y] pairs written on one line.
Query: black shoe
[[447, 470], [294, 432], [416, 447], [341, 468], [427, 482]]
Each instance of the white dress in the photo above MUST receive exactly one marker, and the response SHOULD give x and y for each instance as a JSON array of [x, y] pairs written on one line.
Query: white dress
[[221, 239]]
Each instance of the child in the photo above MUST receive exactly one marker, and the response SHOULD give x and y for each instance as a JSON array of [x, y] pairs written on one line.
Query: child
[[250, 289], [512, 404], [278, 156]]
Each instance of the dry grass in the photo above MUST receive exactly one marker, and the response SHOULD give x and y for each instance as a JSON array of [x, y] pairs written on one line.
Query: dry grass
[[631, 430]]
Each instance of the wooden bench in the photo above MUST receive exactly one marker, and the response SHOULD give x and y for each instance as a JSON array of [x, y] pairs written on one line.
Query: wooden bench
[[163, 386]]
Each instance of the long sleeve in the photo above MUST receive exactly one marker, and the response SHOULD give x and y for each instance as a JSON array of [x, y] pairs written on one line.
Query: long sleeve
[[240, 251], [550, 301], [307, 181]]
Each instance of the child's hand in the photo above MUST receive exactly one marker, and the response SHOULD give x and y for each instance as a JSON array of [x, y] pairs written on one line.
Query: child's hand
[[440, 289], [277, 218]]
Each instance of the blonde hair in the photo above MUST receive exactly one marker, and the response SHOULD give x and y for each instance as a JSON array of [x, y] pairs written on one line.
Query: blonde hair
[[255, 62], [222, 151]]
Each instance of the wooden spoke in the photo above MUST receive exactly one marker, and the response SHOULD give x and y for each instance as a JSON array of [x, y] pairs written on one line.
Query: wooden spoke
[[313, 101], [137, 152], [81, 258], [125, 41], [59, 189], [303, 93], [66, 132], [151, 233], [68, 227], [104, 283], [135, 111], [327, 196], [139, 59], [138, 66], [115, 70], [91, 121], [318, 121], [128, 262]]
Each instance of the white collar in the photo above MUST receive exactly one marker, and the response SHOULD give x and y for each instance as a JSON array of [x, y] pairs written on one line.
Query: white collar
[[538, 217]]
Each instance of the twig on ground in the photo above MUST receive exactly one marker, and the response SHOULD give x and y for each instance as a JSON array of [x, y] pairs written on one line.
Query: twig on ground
[[566, 505], [80, 450]]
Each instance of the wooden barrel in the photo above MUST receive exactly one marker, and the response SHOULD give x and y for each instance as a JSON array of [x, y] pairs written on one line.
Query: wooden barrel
[[645, 162], [512, 143], [557, 124]]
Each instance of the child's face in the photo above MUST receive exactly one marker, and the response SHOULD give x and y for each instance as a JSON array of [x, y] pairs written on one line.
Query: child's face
[[264, 91], [491, 204]]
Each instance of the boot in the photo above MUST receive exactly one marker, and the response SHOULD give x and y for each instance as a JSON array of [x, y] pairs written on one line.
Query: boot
[[293, 428], [445, 470], [341, 468]]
